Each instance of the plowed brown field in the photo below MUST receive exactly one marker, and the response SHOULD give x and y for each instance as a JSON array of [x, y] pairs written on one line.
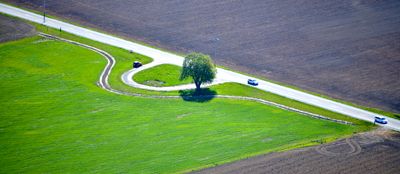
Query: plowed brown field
[[12, 29], [367, 153]]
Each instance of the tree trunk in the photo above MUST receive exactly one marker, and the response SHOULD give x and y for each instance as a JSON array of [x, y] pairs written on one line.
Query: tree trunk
[[197, 85]]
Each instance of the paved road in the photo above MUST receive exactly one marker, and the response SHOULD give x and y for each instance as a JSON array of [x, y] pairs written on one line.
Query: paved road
[[222, 75]]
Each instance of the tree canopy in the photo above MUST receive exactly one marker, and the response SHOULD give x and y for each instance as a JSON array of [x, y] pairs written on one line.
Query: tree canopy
[[199, 67]]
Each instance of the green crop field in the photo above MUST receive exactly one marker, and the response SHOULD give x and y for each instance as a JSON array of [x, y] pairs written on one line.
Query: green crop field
[[56, 120], [161, 75]]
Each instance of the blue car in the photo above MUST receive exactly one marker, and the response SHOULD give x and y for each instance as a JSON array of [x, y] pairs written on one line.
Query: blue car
[[380, 120], [252, 82]]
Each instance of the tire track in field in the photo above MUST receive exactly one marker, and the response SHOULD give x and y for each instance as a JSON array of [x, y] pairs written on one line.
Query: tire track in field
[[354, 146]]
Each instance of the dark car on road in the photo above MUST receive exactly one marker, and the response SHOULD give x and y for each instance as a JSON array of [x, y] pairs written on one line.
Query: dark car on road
[[252, 82], [137, 64], [381, 120]]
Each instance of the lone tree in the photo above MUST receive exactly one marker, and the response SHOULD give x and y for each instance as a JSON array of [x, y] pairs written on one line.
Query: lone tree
[[200, 67]]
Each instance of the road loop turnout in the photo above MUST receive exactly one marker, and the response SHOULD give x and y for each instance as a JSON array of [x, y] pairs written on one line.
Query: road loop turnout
[[103, 83]]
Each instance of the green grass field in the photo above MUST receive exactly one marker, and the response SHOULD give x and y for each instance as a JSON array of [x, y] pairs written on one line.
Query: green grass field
[[161, 75], [56, 120]]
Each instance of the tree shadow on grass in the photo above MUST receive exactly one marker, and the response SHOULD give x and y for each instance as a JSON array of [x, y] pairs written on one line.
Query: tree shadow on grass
[[201, 96]]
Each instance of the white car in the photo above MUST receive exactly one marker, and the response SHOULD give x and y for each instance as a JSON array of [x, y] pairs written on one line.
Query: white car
[[252, 82]]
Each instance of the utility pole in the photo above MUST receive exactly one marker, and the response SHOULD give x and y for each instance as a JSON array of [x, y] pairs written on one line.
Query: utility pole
[[215, 46], [44, 11]]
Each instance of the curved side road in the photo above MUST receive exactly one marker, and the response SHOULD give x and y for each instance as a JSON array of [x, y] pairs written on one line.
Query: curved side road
[[127, 78], [223, 75], [103, 83]]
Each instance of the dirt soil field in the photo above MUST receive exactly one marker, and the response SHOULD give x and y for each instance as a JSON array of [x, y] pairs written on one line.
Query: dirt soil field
[[346, 49], [12, 29], [366, 153]]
